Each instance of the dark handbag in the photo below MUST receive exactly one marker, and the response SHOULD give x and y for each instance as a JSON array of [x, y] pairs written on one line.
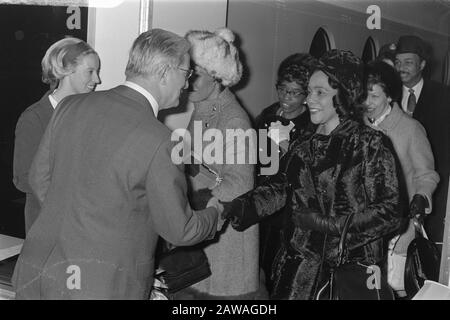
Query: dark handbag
[[183, 267], [354, 280], [422, 262]]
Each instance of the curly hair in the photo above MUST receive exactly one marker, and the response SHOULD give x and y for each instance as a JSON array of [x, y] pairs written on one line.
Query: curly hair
[[296, 68]]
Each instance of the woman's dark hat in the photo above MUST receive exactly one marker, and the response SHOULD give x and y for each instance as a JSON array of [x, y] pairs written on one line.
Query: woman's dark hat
[[346, 69]]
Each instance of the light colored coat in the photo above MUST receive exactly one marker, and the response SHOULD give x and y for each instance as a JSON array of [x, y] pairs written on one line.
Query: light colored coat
[[233, 256], [416, 158]]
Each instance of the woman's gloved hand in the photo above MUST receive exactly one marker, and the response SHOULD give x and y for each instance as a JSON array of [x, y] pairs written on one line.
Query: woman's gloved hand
[[417, 207], [279, 132], [232, 211]]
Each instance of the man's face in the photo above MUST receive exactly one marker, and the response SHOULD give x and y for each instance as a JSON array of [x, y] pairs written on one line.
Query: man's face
[[409, 66], [176, 82]]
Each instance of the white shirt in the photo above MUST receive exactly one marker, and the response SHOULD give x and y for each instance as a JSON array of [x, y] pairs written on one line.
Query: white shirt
[[53, 101], [417, 90], [146, 94]]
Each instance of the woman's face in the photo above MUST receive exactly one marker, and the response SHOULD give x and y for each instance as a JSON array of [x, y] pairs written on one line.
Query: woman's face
[[84, 77], [320, 101], [290, 95], [376, 101], [202, 85]]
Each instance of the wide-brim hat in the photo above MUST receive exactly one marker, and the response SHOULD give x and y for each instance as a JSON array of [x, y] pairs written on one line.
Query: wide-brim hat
[[346, 69], [216, 53]]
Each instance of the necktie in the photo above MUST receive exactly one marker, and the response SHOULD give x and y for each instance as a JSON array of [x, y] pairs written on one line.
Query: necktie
[[411, 105]]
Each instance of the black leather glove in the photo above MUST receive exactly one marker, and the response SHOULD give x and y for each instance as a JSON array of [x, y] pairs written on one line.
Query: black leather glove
[[227, 209], [233, 212], [309, 219], [417, 206], [199, 199]]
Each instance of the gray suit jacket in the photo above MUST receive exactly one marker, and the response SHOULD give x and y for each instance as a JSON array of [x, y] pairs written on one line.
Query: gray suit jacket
[[109, 188], [29, 130]]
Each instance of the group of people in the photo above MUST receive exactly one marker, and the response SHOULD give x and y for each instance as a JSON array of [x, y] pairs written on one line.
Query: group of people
[[102, 189]]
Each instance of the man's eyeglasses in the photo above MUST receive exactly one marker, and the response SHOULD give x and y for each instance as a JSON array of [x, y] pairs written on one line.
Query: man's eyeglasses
[[293, 93], [187, 72]]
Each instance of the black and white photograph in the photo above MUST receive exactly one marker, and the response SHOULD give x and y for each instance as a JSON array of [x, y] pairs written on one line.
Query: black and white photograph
[[232, 153]]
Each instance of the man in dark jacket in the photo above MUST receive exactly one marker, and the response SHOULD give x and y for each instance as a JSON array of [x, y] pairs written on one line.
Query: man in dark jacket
[[429, 103]]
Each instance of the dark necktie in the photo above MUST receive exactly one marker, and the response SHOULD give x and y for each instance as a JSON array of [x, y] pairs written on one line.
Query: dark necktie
[[411, 105]]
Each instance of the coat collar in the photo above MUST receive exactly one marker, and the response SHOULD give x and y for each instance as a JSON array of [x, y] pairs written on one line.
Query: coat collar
[[344, 128], [392, 119], [132, 94]]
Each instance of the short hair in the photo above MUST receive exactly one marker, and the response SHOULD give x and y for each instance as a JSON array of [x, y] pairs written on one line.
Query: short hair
[[386, 77], [154, 51], [62, 57], [296, 68]]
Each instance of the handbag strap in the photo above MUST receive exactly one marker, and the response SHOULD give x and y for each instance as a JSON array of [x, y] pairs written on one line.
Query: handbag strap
[[342, 248], [418, 226]]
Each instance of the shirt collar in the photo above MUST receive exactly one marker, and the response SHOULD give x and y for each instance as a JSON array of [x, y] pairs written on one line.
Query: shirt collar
[[146, 94], [417, 89], [382, 117], [53, 101]]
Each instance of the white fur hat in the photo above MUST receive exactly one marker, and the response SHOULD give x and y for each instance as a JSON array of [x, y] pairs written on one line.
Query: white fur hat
[[216, 53]]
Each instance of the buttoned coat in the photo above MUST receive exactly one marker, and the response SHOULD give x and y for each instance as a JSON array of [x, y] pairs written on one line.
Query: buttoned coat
[[232, 255], [109, 188], [29, 131]]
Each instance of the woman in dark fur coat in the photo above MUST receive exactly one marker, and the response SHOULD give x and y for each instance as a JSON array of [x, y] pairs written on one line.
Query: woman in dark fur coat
[[337, 167]]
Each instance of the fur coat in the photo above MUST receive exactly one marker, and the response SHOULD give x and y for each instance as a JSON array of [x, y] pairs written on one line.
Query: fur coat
[[323, 179]]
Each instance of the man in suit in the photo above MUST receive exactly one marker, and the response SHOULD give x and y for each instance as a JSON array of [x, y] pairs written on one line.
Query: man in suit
[[429, 103], [108, 186]]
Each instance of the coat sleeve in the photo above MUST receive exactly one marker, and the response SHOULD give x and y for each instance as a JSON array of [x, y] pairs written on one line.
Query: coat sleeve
[[172, 217], [29, 131], [253, 206], [237, 177], [425, 178], [40, 171], [385, 199]]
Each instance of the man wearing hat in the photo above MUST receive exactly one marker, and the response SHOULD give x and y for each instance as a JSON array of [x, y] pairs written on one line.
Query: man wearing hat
[[429, 103]]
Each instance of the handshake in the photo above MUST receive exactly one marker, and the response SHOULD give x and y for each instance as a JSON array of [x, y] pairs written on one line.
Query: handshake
[[228, 211], [223, 208]]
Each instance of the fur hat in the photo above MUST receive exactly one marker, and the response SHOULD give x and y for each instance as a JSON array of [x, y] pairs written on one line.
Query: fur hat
[[216, 53], [346, 69]]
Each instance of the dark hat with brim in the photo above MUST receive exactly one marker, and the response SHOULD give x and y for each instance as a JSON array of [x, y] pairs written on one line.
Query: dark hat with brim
[[412, 44]]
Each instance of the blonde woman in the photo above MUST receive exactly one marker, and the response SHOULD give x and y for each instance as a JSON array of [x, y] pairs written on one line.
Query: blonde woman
[[70, 66]]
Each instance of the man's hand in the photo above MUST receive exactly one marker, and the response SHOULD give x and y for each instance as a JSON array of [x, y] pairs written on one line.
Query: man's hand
[[418, 205], [215, 203]]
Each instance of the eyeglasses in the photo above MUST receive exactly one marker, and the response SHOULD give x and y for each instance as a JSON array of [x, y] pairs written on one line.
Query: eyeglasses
[[293, 93], [187, 72]]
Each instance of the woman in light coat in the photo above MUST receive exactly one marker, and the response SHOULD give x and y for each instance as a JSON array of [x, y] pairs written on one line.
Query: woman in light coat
[[233, 256], [414, 152]]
